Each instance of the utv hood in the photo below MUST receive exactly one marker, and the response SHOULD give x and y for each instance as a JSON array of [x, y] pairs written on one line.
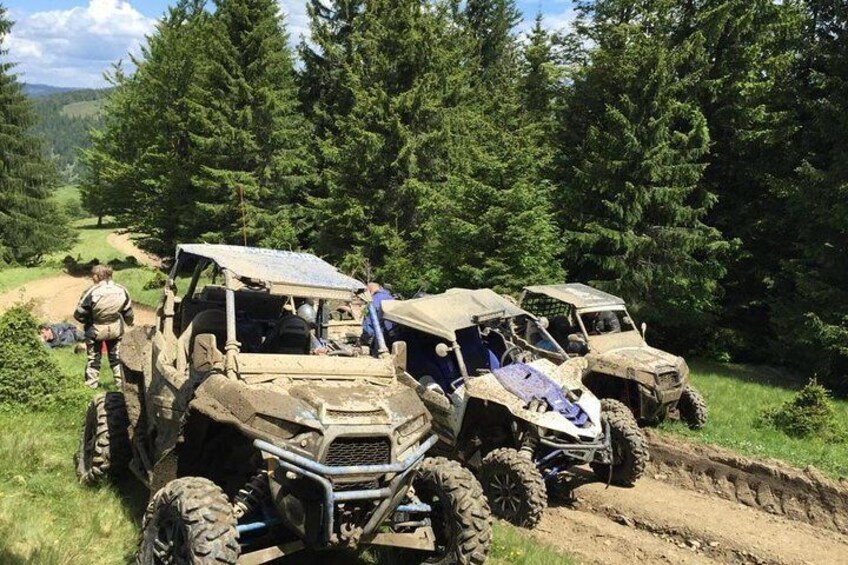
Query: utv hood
[[642, 362], [644, 358], [489, 389]]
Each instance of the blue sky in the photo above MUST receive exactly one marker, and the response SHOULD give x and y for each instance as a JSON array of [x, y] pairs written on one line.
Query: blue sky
[[72, 42]]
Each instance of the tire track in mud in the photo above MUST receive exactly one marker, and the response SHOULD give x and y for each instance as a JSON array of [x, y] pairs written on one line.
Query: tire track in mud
[[699, 504], [801, 495]]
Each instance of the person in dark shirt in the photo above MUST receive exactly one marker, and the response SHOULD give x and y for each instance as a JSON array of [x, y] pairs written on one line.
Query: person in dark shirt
[[62, 334]]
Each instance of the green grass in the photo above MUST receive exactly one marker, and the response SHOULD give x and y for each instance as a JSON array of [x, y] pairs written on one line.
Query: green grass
[[91, 243], [67, 194], [511, 546], [14, 277], [46, 517], [736, 395]]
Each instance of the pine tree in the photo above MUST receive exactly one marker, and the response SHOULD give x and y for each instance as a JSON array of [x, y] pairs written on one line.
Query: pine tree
[[143, 160], [745, 93], [539, 73], [250, 134], [496, 226], [633, 149], [30, 225], [387, 72], [206, 141], [810, 300]]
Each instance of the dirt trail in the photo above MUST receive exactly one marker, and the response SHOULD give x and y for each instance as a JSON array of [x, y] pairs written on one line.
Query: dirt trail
[[701, 504], [123, 243], [55, 298]]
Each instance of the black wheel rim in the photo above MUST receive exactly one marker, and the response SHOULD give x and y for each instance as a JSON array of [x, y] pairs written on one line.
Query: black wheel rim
[[170, 546], [505, 495], [440, 521]]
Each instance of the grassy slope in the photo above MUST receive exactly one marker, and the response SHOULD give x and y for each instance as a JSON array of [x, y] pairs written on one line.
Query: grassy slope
[[46, 517], [83, 109], [736, 395]]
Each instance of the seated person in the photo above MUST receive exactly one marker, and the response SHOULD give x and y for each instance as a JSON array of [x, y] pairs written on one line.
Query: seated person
[[424, 364], [599, 323], [317, 345], [294, 334]]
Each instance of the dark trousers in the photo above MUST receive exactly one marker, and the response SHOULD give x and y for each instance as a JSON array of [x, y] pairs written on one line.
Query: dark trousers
[[94, 350]]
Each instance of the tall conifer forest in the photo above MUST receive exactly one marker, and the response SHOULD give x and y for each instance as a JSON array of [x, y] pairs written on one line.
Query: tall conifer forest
[[688, 156]]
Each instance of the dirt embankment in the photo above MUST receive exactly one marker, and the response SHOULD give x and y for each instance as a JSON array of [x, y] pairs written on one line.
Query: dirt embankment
[[700, 504]]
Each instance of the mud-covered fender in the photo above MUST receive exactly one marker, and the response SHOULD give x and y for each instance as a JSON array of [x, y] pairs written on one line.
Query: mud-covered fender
[[487, 388], [235, 403]]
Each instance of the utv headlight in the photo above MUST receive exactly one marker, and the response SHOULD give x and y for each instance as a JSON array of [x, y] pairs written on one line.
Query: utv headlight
[[275, 427], [410, 427]]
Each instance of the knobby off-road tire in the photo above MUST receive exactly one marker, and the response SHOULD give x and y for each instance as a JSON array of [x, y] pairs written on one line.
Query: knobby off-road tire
[[104, 449], [629, 448], [461, 518], [189, 521], [692, 408], [514, 486]]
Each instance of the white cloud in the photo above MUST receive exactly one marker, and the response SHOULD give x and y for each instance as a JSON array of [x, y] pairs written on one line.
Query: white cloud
[[73, 47], [297, 19]]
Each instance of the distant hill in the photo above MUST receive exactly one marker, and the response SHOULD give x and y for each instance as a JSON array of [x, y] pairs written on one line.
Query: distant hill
[[66, 118], [40, 90]]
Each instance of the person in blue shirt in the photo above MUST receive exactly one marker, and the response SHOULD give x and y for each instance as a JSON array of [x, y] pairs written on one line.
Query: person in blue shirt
[[378, 296]]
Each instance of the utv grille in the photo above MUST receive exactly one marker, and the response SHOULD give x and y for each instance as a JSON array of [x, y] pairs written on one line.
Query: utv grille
[[668, 380], [343, 415], [346, 451]]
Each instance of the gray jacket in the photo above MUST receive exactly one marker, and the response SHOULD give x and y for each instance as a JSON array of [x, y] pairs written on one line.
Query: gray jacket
[[104, 309]]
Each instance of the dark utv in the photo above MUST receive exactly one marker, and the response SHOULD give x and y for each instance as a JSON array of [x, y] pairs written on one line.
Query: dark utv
[[254, 446], [597, 326]]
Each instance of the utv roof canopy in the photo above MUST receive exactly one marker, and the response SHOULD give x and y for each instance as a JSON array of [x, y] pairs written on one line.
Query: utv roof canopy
[[578, 294], [282, 272], [442, 314]]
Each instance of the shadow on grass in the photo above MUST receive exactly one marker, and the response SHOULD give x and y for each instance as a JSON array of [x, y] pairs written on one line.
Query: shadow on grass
[[757, 374], [74, 267], [92, 225]]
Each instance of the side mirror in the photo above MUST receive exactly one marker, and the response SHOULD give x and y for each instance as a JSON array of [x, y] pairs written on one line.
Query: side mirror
[[644, 328], [205, 353], [399, 354], [442, 349], [544, 322]]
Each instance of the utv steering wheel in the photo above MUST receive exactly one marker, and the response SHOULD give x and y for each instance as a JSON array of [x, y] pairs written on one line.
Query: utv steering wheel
[[511, 354]]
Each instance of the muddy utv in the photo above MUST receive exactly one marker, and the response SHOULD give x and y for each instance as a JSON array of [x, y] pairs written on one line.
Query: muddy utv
[[621, 365], [517, 419], [259, 438]]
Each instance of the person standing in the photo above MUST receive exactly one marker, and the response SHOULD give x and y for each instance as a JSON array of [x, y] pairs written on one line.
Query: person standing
[[378, 296], [105, 309]]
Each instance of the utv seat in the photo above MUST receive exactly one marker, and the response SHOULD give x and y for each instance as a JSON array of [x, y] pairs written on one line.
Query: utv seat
[[290, 336], [206, 322]]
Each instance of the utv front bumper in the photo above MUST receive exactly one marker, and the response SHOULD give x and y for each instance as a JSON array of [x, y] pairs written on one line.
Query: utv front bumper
[[387, 498], [555, 455]]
